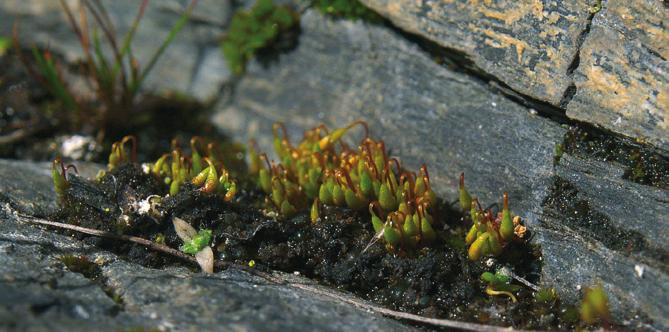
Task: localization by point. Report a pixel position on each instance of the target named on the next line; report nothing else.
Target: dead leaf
(205, 258)
(184, 230)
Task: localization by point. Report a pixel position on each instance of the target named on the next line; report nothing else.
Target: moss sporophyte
(489, 234)
(321, 169)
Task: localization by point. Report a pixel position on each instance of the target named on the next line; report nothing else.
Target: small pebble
(639, 270)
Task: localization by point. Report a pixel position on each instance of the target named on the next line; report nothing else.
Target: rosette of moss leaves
(255, 29)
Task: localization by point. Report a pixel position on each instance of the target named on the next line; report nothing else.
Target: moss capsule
(506, 226)
(465, 198)
(353, 201)
(338, 195)
(391, 235)
(231, 191)
(471, 235)
(366, 186)
(493, 244)
(409, 226)
(315, 213)
(479, 247)
(265, 180)
(386, 198)
(200, 178)
(60, 183)
(211, 183)
(324, 194)
(428, 234)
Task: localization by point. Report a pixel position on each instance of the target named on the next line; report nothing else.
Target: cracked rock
(622, 81)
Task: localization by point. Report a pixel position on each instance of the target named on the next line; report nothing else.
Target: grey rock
(28, 187)
(424, 112)
(622, 81)
(616, 236)
(528, 45)
(185, 67)
(38, 293)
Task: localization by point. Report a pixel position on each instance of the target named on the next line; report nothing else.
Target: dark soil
(438, 281)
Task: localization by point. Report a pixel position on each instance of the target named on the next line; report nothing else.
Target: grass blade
(136, 84)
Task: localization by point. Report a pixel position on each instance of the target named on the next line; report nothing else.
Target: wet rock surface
(598, 226)
(40, 293)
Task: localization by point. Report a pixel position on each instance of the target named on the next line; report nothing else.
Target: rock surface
(598, 227)
(617, 78)
(37, 292)
(528, 45)
(453, 122)
(622, 81)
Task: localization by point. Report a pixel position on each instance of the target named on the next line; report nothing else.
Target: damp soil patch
(437, 281)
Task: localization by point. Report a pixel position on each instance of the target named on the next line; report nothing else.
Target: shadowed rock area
(191, 64)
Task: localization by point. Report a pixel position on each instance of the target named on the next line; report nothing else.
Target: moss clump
(322, 169)
(255, 29)
(349, 9)
(5, 44)
(198, 242)
(80, 264)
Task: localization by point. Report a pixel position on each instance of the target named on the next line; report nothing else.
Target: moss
(252, 30)
(348, 9)
(5, 44)
(81, 264)
(201, 240)
(557, 153)
(596, 7)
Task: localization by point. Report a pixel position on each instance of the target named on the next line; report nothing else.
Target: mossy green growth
(80, 264)
(595, 305)
(348, 9)
(557, 153)
(5, 44)
(499, 284)
(252, 30)
(199, 241)
(546, 295)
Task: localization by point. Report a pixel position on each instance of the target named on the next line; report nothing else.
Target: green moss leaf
(201, 240)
